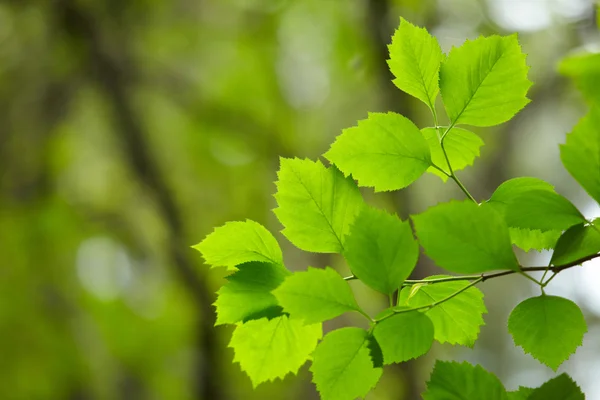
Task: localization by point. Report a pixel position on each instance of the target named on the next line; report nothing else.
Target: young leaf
(533, 239)
(385, 151)
(455, 321)
(466, 238)
(550, 328)
(522, 394)
(342, 366)
(316, 295)
(404, 336)
(581, 153)
(248, 291)
(462, 147)
(508, 190)
(451, 380)
(415, 58)
(381, 250)
(560, 388)
(239, 242)
(316, 205)
(577, 242)
(269, 349)
(484, 81)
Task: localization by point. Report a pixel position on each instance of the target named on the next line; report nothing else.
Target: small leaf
(385, 151)
(584, 69)
(533, 239)
(316, 205)
(239, 242)
(451, 380)
(404, 336)
(316, 295)
(464, 237)
(381, 250)
(577, 242)
(415, 58)
(342, 366)
(484, 81)
(550, 328)
(560, 388)
(269, 349)
(508, 190)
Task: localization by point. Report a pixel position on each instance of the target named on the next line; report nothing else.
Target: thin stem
(531, 278)
(350, 278)
(461, 186)
(391, 299)
(549, 279)
(364, 314)
(441, 170)
(452, 174)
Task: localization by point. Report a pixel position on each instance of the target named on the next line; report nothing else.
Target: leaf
(508, 190)
(454, 381)
(415, 58)
(239, 242)
(342, 367)
(584, 69)
(316, 205)
(560, 388)
(484, 81)
(462, 147)
(581, 153)
(577, 242)
(464, 237)
(316, 295)
(522, 394)
(269, 349)
(550, 328)
(385, 151)
(543, 210)
(533, 239)
(455, 321)
(381, 250)
(248, 291)
(404, 336)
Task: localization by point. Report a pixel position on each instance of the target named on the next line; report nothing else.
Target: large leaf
(581, 153)
(466, 238)
(316, 295)
(454, 381)
(269, 349)
(316, 205)
(484, 81)
(404, 336)
(248, 292)
(239, 242)
(456, 321)
(381, 250)
(550, 328)
(415, 58)
(385, 151)
(560, 388)
(577, 242)
(342, 366)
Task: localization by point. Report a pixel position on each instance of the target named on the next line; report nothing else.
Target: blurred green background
(129, 129)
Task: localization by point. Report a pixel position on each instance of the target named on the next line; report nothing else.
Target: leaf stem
(452, 174)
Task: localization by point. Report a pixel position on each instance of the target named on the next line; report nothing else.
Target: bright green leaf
(342, 366)
(464, 237)
(560, 388)
(533, 239)
(269, 349)
(381, 250)
(577, 242)
(584, 69)
(415, 58)
(484, 81)
(385, 151)
(316, 205)
(550, 328)
(522, 394)
(316, 295)
(508, 190)
(404, 336)
(239, 242)
(454, 381)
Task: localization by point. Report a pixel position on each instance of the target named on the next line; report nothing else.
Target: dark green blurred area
(129, 129)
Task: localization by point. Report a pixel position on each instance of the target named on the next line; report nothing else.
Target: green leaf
(455, 321)
(550, 328)
(462, 147)
(385, 151)
(316, 295)
(577, 242)
(404, 336)
(533, 239)
(454, 381)
(342, 366)
(581, 153)
(543, 210)
(269, 349)
(484, 81)
(239, 242)
(466, 238)
(415, 58)
(248, 291)
(560, 388)
(381, 250)
(316, 205)
(584, 69)
(522, 394)
(508, 190)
